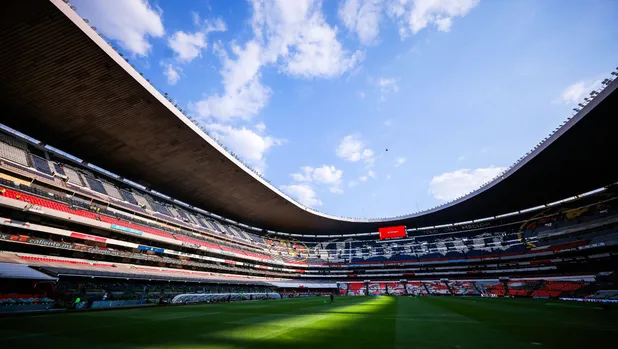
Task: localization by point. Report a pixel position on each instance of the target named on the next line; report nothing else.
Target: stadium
(124, 225)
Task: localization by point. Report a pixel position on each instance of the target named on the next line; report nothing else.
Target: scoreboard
(397, 232)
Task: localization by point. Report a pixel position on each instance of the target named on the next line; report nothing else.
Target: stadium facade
(116, 190)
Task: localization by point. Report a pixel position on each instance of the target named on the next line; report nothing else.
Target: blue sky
(311, 93)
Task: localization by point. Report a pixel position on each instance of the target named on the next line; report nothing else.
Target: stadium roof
(22, 271)
(61, 83)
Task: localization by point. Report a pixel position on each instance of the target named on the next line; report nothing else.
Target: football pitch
(351, 322)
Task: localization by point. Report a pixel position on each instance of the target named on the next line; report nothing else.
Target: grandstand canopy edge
(81, 98)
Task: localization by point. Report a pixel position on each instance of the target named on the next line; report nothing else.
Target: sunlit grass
(329, 317)
(349, 323)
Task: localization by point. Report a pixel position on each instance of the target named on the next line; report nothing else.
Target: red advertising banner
(393, 232)
(88, 237)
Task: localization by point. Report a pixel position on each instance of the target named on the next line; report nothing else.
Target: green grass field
(351, 322)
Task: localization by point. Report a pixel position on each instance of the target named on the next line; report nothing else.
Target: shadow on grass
(537, 321)
(299, 324)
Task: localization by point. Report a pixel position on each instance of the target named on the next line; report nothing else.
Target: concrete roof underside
(63, 85)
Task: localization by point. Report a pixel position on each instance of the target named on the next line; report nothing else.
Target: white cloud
(362, 17)
(362, 179)
(209, 26)
(304, 193)
(444, 23)
(451, 185)
(336, 189)
(296, 35)
(260, 127)
(576, 92)
(415, 15)
(400, 161)
(370, 174)
(327, 175)
(188, 46)
(290, 35)
(353, 149)
(130, 22)
(171, 73)
(388, 177)
(386, 86)
(245, 143)
(243, 103)
(305, 176)
(244, 96)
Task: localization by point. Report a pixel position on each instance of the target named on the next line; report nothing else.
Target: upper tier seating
(95, 185)
(142, 201)
(73, 176)
(490, 244)
(537, 237)
(64, 208)
(160, 208)
(112, 191)
(193, 219)
(84, 267)
(41, 164)
(13, 153)
(128, 224)
(197, 242)
(51, 260)
(12, 141)
(128, 197)
(59, 169)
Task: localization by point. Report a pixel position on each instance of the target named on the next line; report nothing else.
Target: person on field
(332, 298)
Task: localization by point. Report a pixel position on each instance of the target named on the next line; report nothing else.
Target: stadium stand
(13, 153)
(71, 221)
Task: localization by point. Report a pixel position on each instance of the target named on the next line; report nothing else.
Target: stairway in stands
(426, 288)
(478, 289)
(448, 286)
(536, 287)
